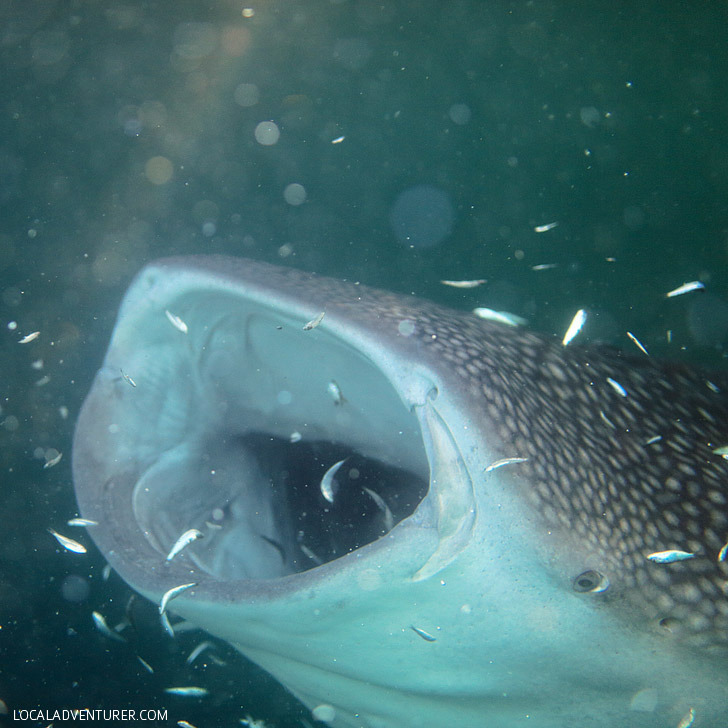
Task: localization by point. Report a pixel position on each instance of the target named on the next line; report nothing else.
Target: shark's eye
(590, 581)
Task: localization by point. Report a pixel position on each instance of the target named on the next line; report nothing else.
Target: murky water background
(395, 143)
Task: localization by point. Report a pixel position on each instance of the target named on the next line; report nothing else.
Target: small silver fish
(545, 228)
(314, 322)
(68, 543)
(185, 724)
(170, 594)
(504, 461)
(545, 266)
(464, 284)
(198, 651)
(686, 288)
(127, 378)
(167, 624)
(653, 440)
(575, 327)
(53, 461)
(101, 626)
(617, 387)
(335, 391)
(328, 488)
(637, 343)
(607, 420)
(29, 337)
(688, 719)
(310, 554)
(146, 665)
(185, 539)
(382, 505)
(670, 557)
(188, 692)
(500, 317)
(425, 635)
(81, 522)
(177, 322)
(723, 553)
(338, 140)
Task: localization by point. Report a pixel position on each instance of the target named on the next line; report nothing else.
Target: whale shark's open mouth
(260, 428)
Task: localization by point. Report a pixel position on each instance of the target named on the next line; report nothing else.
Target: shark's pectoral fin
(451, 487)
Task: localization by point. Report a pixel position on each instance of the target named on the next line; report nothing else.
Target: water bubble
(158, 170)
(406, 327)
(422, 216)
(294, 194)
(460, 114)
(246, 94)
(324, 713)
(267, 133)
(75, 588)
(708, 320)
(589, 115)
(195, 40)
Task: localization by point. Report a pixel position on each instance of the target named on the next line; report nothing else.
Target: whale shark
(409, 516)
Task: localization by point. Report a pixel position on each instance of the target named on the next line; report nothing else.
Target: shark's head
(480, 558)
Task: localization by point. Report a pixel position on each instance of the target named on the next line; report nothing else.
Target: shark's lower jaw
(426, 593)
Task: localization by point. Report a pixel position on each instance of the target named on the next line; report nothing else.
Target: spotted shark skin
(532, 578)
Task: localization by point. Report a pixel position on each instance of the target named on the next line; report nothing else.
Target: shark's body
(518, 594)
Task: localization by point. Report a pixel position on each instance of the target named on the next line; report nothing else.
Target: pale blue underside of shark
(509, 596)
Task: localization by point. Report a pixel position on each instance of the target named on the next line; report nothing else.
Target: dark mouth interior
(282, 523)
(324, 531)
